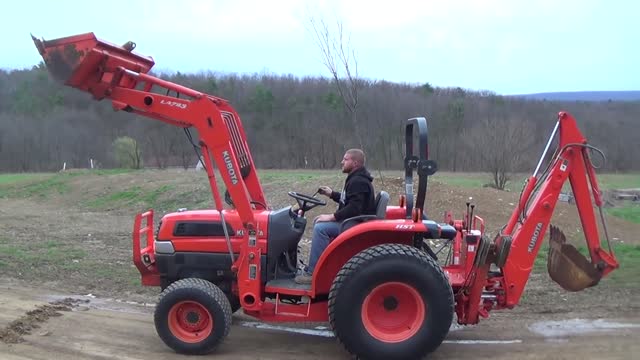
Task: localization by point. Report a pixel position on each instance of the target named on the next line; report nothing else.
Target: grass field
(59, 221)
(45, 185)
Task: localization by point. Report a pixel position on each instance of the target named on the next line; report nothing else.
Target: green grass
(189, 200)
(629, 258)
(21, 178)
(54, 185)
(110, 171)
(630, 212)
(134, 195)
(117, 198)
(475, 180)
(34, 185)
(51, 259)
(24, 185)
(619, 181)
(24, 255)
(269, 176)
(466, 180)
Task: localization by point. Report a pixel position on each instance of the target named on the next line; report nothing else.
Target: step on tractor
(379, 284)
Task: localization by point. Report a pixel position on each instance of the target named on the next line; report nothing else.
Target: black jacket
(357, 197)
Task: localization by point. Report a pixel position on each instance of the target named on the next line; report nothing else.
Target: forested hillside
(301, 122)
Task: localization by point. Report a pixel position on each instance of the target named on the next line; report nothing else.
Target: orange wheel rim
(190, 322)
(393, 312)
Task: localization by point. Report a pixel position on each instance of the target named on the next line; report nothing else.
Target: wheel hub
(190, 321)
(192, 317)
(390, 303)
(393, 312)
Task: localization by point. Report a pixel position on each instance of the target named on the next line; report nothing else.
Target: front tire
(391, 301)
(193, 316)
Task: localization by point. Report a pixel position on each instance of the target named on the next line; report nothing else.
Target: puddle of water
(559, 341)
(455, 326)
(577, 327)
(319, 331)
(482, 342)
(258, 325)
(94, 302)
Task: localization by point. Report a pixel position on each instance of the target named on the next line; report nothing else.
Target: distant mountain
(585, 96)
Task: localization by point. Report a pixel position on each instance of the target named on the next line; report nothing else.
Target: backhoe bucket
(83, 61)
(566, 266)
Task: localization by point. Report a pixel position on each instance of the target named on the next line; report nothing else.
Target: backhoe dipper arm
(571, 161)
(109, 71)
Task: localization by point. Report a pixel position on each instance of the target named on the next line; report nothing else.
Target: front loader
(379, 283)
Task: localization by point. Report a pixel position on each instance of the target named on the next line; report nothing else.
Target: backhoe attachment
(530, 220)
(568, 267)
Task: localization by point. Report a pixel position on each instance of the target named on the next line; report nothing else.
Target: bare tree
(502, 144)
(340, 59)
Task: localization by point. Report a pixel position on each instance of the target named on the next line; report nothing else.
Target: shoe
(303, 278)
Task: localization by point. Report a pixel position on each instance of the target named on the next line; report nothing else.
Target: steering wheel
(306, 202)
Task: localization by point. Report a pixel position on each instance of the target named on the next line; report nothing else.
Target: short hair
(357, 155)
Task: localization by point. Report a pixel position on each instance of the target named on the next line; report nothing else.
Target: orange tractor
(379, 283)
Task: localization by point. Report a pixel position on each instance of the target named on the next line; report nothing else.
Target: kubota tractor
(378, 283)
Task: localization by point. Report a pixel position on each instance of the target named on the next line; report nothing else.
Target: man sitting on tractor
(357, 198)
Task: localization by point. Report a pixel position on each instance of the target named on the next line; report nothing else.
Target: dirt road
(96, 328)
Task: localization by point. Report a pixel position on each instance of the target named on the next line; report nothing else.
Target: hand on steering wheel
(306, 202)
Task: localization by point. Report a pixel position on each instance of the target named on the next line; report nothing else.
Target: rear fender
(358, 238)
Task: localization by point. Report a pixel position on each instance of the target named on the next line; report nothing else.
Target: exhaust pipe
(566, 266)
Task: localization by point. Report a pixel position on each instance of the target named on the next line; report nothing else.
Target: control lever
(471, 217)
(468, 217)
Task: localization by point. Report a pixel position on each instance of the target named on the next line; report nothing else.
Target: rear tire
(193, 316)
(391, 301)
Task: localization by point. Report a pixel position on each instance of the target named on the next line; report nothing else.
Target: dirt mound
(13, 333)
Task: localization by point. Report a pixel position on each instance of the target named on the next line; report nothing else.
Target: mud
(104, 328)
(14, 332)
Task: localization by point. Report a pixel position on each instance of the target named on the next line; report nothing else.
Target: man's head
(352, 160)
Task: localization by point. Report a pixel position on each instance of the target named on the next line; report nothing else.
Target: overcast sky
(509, 47)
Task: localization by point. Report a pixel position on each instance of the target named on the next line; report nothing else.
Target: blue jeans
(323, 233)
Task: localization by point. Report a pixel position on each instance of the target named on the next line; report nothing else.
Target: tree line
(303, 122)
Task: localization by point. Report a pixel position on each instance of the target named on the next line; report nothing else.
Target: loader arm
(116, 73)
(530, 220)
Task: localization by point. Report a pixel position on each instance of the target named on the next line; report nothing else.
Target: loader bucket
(566, 266)
(83, 61)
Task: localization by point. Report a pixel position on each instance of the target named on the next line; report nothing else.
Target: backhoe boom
(532, 217)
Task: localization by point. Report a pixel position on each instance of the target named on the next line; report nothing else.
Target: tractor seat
(382, 199)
